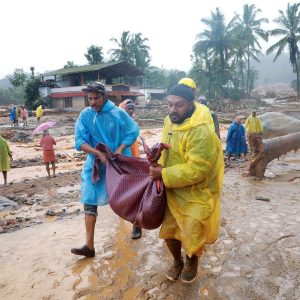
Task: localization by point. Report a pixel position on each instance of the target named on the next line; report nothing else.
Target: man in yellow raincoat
(39, 112)
(192, 172)
(5, 157)
(254, 131)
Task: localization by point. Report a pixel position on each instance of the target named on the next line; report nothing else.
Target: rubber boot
(190, 269)
(136, 232)
(175, 248)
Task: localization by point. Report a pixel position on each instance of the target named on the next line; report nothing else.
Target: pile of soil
(8, 134)
(22, 137)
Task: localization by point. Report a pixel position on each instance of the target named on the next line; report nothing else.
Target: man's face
(179, 108)
(96, 100)
(254, 114)
(130, 111)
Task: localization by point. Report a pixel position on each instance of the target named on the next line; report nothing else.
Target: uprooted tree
(285, 137)
(273, 148)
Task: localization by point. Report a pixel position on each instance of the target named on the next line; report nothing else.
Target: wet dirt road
(256, 257)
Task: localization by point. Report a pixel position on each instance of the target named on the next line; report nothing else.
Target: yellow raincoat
(253, 125)
(39, 112)
(193, 175)
(4, 155)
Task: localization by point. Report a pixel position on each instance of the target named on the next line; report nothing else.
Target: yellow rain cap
(189, 82)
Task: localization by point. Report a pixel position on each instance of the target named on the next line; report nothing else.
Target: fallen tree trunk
(271, 149)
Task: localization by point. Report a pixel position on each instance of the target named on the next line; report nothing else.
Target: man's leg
(53, 167)
(175, 249)
(90, 222)
(190, 270)
(48, 169)
(5, 177)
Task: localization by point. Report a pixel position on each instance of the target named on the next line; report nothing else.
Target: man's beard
(176, 119)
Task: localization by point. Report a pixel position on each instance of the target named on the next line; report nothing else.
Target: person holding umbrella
(47, 142)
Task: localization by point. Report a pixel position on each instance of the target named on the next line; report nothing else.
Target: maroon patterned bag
(133, 195)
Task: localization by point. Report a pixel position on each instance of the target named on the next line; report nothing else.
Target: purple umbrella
(43, 127)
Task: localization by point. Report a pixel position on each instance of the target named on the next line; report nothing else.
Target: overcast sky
(46, 34)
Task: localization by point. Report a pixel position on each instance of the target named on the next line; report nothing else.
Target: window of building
(68, 102)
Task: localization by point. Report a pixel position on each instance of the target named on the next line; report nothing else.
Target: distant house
(68, 84)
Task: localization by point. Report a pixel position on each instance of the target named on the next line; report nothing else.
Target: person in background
(24, 115)
(236, 139)
(13, 117)
(102, 122)
(192, 172)
(39, 113)
(129, 106)
(5, 158)
(47, 142)
(214, 116)
(254, 131)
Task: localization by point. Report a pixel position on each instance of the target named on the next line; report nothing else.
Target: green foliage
(222, 54)
(289, 31)
(12, 96)
(69, 64)
(94, 55)
(32, 97)
(133, 49)
(161, 78)
(18, 78)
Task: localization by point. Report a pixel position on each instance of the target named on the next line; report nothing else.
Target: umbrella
(43, 127)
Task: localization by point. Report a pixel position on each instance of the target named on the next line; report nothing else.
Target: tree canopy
(94, 55)
(289, 31)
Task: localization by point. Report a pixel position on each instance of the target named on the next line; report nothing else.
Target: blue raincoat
(236, 139)
(111, 126)
(12, 114)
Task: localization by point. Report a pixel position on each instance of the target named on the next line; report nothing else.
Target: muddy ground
(257, 255)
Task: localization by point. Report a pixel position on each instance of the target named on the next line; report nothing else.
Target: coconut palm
(241, 54)
(216, 43)
(290, 31)
(216, 37)
(252, 31)
(124, 48)
(140, 51)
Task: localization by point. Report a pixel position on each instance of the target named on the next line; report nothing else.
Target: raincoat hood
(200, 116)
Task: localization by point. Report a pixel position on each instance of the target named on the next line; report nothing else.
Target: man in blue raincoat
(101, 122)
(236, 139)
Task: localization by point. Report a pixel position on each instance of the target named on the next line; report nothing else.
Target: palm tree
(290, 30)
(140, 51)
(216, 41)
(124, 48)
(252, 32)
(240, 54)
(32, 72)
(217, 36)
